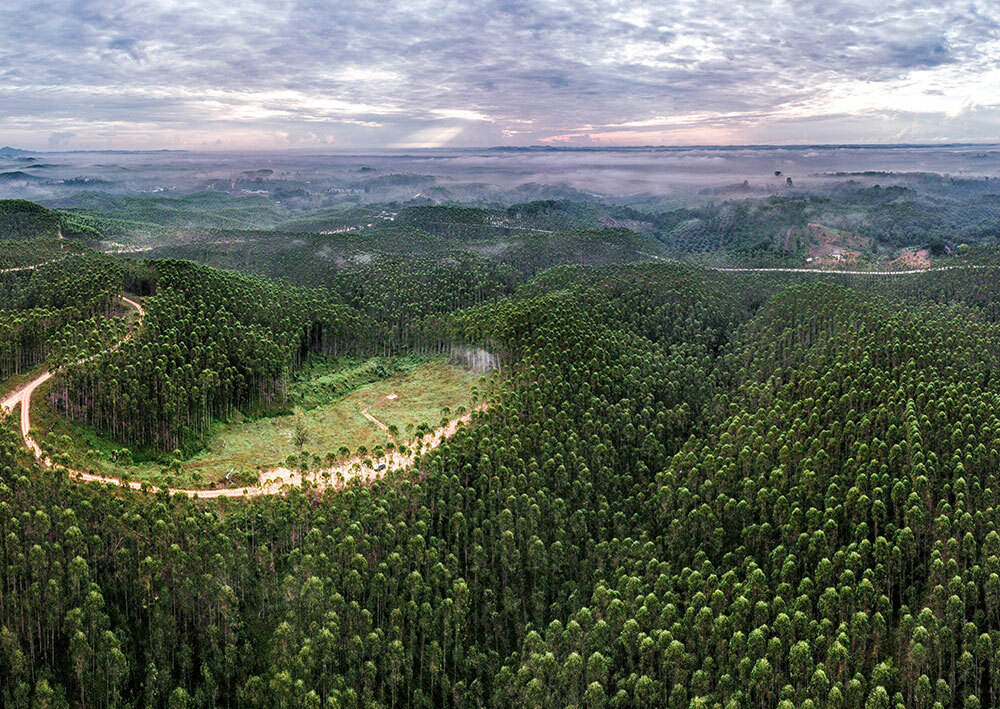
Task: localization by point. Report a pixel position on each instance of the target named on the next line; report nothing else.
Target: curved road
(273, 481)
(34, 266)
(22, 395)
(270, 482)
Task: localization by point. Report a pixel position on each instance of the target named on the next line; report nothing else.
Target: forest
(681, 487)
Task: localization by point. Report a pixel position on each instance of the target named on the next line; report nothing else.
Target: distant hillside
(21, 219)
(18, 176)
(7, 150)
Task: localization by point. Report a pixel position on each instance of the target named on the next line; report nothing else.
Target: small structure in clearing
(832, 247)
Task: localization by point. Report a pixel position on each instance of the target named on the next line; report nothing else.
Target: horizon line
(515, 148)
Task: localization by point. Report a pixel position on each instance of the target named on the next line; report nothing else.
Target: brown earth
(909, 260)
(833, 248)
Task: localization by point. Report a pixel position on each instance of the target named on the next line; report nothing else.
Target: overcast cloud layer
(426, 73)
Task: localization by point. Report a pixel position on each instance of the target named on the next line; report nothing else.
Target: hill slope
(21, 219)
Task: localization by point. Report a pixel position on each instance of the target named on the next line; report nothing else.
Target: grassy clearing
(326, 403)
(415, 392)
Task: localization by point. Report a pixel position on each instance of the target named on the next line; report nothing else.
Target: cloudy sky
(345, 74)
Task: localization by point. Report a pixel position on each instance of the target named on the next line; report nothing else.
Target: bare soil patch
(832, 248)
(909, 260)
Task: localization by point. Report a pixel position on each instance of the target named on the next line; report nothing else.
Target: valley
(733, 452)
(499, 355)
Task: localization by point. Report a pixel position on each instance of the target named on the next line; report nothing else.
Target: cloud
(60, 138)
(308, 138)
(125, 47)
(170, 73)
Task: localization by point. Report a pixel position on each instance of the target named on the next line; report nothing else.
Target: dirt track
(22, 395)
(364, 412)
(833, 271)
(274, 481)
(32, 267)
(270, 482)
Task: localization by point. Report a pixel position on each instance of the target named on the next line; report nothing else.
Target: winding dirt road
(33, 267)
(270, 482)
(276, 480)
(23, 394)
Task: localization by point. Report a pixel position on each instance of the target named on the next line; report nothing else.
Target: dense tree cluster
(694, 488)
(211, 342)
(21, 219)
(124, 216)
(35, 304)
(321, 259)
(399, 291)
(31, 252)
(413, 577)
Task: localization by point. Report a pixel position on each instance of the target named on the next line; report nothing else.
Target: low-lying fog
(498, 175)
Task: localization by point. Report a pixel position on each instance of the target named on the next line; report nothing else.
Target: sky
(347, 74)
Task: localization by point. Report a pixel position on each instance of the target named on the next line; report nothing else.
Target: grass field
(326, 414)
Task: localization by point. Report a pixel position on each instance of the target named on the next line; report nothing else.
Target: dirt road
(834, 271)
(23, 395)
(364, 412)
(270, 482)
(33, 267)
(135, 306)
(276, 480)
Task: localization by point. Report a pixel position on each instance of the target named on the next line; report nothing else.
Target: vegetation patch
(80, 446)
(416, 395)
(830, 248)
(324, 422)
